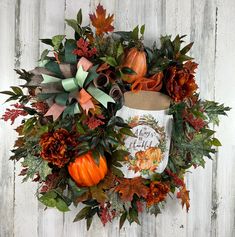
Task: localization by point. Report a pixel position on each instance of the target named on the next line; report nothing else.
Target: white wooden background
(210, 23)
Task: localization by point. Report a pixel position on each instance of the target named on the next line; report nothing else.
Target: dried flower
(157, 192)
(180, 83)
(57, 147)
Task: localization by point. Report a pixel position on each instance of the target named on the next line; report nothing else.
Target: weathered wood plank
(203, 34)
(51, 23)
(224, 92)
(7, 135)
(26, 56)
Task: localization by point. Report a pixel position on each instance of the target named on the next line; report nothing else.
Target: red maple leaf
(105, 215)
(196, 123)
(100, 22)
(94, 121)
(12, 114)
(84, 49)
(128, 187)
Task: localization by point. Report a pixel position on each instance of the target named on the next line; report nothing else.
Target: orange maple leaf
(128, 187)
(100, 22)
(183, 194)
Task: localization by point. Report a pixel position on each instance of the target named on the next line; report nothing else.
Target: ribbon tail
(49, 79)
(100, 96)
(55, 110)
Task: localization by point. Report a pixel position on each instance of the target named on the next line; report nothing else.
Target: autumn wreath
(72, 143)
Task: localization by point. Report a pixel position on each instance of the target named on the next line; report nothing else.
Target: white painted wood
(26, 55)
(224, 92)
(208, 23)
(7, 135)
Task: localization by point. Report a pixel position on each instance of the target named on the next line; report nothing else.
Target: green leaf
(96, 156)
(44, 170)
(119, 155)
(57, 40)
(61, 205)
(117, 171)
(36, 165)
(54, 67)
(135, 33)
(44, 54)
(127, 131)
(154, 210)
(88, 223)
(216, 142)
(48, 199)
(17, 90)
(91, 75)
(122, 219)
(127, 70)
(79, 17)
(80, 128)
(82, 214)
(47, 41)
(186, 48)
(70, 45)
(110, 60)
(29, 124)
(142, 29)
(77, 192)
(73, 23)
(7, 93)
(120, 50)
(134, 215)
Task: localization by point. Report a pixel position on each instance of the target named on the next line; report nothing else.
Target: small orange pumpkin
(86, 172)
(136, 60)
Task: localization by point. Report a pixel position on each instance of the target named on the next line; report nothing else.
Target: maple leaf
(128, 187)
(183, 194)
(105, 215)
(93, 122)
(196, 123)
(84, 49)
(12, 114)
(100, 22)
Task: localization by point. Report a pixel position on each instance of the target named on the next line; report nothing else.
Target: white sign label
(145, 137)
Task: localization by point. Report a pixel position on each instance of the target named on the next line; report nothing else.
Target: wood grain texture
(210, 25)
(7, 63)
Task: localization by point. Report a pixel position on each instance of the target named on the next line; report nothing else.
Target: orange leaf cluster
(128, 187)
(183, 194)
(100, 22)
(157, 192)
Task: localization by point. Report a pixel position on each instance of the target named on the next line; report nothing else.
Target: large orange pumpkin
(86, 172)
(136, 60)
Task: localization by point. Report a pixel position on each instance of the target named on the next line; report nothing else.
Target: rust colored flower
(180, 83)
(57, 147)
(157, 192)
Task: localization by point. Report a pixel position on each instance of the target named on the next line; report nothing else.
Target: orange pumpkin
(86, 172)
(136, 60)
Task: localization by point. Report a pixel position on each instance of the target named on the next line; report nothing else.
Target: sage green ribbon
(74, 83)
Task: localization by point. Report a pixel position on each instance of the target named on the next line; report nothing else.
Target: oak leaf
(128, 187)
(183, 194)
(100, 22)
